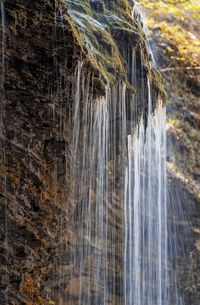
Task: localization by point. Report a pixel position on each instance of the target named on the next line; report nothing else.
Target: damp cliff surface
(32, 149)
(43, 43)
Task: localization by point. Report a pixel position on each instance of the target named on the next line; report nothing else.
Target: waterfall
(119, 200)
(145, 255)
(145, 215)
(118, 190)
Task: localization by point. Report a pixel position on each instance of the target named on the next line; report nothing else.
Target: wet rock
(39, 221)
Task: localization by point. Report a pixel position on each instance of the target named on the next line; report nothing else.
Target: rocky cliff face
(42, 43)
(38, 64)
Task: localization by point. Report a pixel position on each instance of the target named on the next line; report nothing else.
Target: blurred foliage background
(178, 23)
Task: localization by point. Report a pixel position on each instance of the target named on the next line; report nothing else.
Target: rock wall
(40, 58)
(41, 48)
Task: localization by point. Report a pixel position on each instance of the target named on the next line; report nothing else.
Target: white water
(118, 197)
(145, 217)
(93, 190)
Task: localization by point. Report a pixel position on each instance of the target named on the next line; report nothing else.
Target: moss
(77, 37)
(104, 36)
(157, 82)
(95, 39)
(99, 87)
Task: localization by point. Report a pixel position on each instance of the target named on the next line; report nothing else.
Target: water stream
(145, 217)
(119, 195)
(120, 206)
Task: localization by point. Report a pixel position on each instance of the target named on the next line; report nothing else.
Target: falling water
(93, 191)
(145, 250)
(139, 15)
(119, 181)
(146, 275)
(118, 194)
(119, 201)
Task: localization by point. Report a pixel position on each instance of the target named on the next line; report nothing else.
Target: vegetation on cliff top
(99, 32)
(92, 28)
